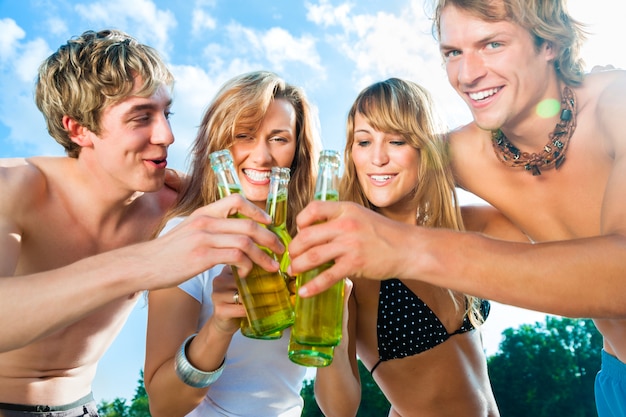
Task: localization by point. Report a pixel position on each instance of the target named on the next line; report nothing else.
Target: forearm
(36, 305)
(575, 278)
(337, 386)
(169, 395)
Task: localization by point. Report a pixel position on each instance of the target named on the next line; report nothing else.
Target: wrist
(189, 374)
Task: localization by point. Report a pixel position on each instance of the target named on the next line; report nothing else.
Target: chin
(152, 186)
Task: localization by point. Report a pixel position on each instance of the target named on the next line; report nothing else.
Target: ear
(77, 133)
(549, 51)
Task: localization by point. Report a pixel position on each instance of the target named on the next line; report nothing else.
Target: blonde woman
(419, 341)
(264, 122)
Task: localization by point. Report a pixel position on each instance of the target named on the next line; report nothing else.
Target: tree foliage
(373, 402)
(138, 408)
(547, 369)
(540, 370)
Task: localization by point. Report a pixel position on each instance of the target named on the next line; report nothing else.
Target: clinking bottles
(319, 318)
(276, 207)
(264, 294)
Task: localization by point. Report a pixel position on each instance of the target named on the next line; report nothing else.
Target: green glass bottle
(276, 207)
(319, 318)
(264, 294)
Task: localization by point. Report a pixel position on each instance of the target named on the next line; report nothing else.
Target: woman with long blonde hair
(420, 342)
(196, 360)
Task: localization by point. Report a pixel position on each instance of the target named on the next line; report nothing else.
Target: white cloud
(384, 45)
(140, 17)
(10, 34)
(281, 47)
(28, 62)
(17, 108)
(606, 33)
(274, 48)
(201, 21)
(325, 14)
(57, 26)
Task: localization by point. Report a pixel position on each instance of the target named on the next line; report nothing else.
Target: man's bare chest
(54, 239)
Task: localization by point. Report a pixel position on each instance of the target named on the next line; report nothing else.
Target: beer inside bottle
(264, 294)
(319, 318)
(277, 209)
(310, 355)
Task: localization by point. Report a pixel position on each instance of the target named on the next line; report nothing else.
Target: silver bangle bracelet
(191, 375)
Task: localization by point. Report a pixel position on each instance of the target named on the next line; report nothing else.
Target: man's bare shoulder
(604, 93)
(11, 162)
(606, 88)
(20, 177)
(24, 181)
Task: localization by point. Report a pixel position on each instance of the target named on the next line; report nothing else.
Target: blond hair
(91, 72)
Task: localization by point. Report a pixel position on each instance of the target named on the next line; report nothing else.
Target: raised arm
(172, 317)
(207, 238)
(553, 277)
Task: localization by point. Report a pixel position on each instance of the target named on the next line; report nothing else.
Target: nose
(471, 69)
(379, 155)
(261, 153)
(162, 133)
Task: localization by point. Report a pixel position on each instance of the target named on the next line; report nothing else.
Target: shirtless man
(527, 94)
(71, 264)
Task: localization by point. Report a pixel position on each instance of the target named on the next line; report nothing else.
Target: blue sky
(332, 48)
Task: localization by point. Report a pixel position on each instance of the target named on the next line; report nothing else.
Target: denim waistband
(43, 408)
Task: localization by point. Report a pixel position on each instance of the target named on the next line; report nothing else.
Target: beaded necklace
(553, 153)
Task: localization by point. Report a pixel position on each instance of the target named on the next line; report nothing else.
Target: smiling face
(272, 144)
(387, 168)
(132, 145)
(495, 67)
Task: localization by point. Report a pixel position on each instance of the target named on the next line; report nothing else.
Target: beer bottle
(319, 318)
(264, 294)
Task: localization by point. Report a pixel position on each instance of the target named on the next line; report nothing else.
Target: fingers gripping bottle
(276, 207)
(264, 294)
(319, 318)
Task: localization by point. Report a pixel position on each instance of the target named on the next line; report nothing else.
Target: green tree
(547, 369)
(373, 401)
(140, 406)
(118, 408)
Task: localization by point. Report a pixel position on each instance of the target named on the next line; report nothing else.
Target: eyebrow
(485, 39)
(277, 131)
(147, 106)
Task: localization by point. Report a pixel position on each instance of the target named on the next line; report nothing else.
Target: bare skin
(576, 216)
(173, 314)
(452, 375)
(337, 387)
(71, 267)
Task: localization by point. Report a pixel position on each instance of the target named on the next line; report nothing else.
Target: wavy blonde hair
(241, 104)
(405, 108)
(91, 72)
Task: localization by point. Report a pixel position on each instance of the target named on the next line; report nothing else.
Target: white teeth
(256, 175)
(381, 177)
(483, 94)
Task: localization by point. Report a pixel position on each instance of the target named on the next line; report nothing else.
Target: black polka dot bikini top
(407, 326)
